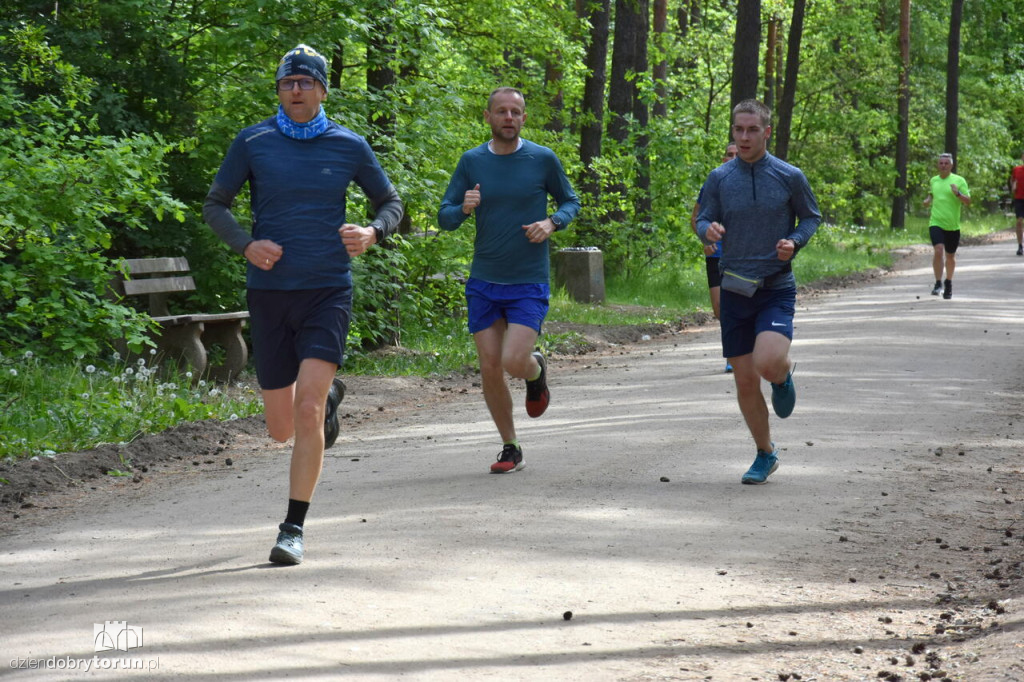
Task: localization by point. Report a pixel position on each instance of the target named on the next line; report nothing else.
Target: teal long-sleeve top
(514, 191)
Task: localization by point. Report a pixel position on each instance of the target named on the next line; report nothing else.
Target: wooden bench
(185, 338)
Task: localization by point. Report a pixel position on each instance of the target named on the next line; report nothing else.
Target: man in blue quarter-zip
(752, 205)
(505, 183)
(299, 165)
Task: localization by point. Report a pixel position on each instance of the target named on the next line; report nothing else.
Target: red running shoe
(537, 394)
(509, 459)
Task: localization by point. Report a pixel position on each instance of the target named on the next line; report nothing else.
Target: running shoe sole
(331, 425)
(538, 397)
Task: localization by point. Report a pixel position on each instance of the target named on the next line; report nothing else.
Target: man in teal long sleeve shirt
(505, 183)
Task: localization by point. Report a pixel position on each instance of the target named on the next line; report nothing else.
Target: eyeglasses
(303, 83)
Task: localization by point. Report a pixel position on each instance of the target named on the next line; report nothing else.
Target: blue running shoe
(764, 466)
(784, 397)
(728, 368)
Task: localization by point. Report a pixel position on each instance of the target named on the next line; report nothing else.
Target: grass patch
(48, 409)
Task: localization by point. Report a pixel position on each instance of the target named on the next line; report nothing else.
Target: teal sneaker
(764, 466)
(288, 549)
(784, 397)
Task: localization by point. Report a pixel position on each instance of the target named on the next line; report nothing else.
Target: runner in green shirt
(947, 193)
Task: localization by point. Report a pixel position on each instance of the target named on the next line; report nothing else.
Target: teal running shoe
(784, 397)
(764, 466)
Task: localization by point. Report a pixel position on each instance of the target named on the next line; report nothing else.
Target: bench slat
(159, 285)
(149, 266)
(204, 318)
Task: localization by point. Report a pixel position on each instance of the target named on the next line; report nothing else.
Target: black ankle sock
(296, 512)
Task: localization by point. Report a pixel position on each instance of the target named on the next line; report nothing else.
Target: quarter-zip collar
(753, 167)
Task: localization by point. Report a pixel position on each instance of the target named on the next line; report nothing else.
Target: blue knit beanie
(303, 61)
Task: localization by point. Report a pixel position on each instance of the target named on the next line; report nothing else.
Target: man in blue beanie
(299, 164)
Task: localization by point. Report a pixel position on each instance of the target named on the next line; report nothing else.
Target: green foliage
(61, 187)
(91, 91)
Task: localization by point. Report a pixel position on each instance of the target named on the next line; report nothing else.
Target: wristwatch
(378, 231)
(556, 221)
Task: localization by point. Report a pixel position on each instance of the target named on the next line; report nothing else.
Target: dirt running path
(887, 546)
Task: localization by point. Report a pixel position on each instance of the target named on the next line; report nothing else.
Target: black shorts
(950, 239)
(1018, 207)
(290, 326)
(714, 274)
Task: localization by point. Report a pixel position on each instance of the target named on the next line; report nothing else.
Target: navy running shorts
(290, 326)
(714, 274)
(744, 318)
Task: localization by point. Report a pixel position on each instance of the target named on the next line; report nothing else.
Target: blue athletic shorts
(290, 326)
(950, 239)
(768, 310)
(487, 302)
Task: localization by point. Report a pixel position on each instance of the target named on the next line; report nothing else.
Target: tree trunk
(380, 82)
(622, 91)
(661, 66)
(769, 63)
(785, 114)
(746, 51)
(688, 17)
(899, 199)
(592, 127)
(953, 79)
(553, 84)
(380, 85)
(644, 207)
(629, 63)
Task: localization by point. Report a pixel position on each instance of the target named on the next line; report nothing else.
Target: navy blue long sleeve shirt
(758, 204)
(298, 199)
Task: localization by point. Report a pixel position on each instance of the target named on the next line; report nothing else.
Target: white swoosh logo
(778, 324)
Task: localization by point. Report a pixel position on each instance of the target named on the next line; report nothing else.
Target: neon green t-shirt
(945, 206)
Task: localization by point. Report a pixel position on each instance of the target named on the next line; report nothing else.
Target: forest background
(117, 113)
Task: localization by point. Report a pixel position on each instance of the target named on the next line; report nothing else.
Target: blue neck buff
(302, 131)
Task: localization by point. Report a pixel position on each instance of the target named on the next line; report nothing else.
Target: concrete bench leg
(227, 335)
(183, 343)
